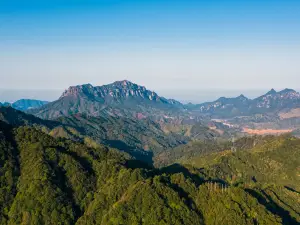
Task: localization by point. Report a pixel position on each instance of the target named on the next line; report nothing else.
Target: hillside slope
(50, 180)
(267, 168)
(139, 138)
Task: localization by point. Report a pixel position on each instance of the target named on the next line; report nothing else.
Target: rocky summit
(117, 91)
(121, 98)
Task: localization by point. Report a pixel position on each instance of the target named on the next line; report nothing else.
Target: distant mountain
(26, 104)
(271, 102)
(225, 106)
(124, 99)
(275, 101)
(121, 98)
(118, 91)
(4, 104)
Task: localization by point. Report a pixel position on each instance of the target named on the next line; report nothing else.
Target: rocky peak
(242, 97)
(117, 91)
(127, 89)
(289, 94)
(271, 92)
(124, 83)
(77, 90)
(284, 94)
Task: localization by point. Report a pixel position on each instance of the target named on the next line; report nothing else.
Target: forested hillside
(47, 180)
(139, 138)
(56, 181)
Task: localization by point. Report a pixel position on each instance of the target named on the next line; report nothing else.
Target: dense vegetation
(47, 180)
(267, 168)
(56, 181)
(200, 148)
(139, 138)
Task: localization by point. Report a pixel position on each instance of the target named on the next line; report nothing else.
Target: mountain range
(124, 98)
(121, 154)
(271, 112)
(133, 119)
(271, 102)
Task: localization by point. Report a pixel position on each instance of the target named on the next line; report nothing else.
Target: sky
(188, 50)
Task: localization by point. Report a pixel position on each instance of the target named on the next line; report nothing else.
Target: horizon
(186, 95)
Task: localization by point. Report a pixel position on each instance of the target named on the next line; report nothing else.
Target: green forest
(49, 179)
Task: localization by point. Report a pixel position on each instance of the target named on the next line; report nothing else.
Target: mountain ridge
(121, 98)
(129, 99)
(116, 90)
(272, 101)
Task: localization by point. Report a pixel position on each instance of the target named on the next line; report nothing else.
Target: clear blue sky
(169, 46)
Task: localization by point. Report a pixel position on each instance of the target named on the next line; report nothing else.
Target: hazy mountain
(26, 104)
(121, 98)
(271, 102)
(124, 98)
(4, 104)
(276, 101)
(224, 106)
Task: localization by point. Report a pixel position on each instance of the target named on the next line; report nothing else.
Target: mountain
(50, 180)
(271, 102)
(276, 101)
(271, 112)
(224, 106)
(118, 91)
(26, 104)
(121, 98)
(131, 109)
(5, 104)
